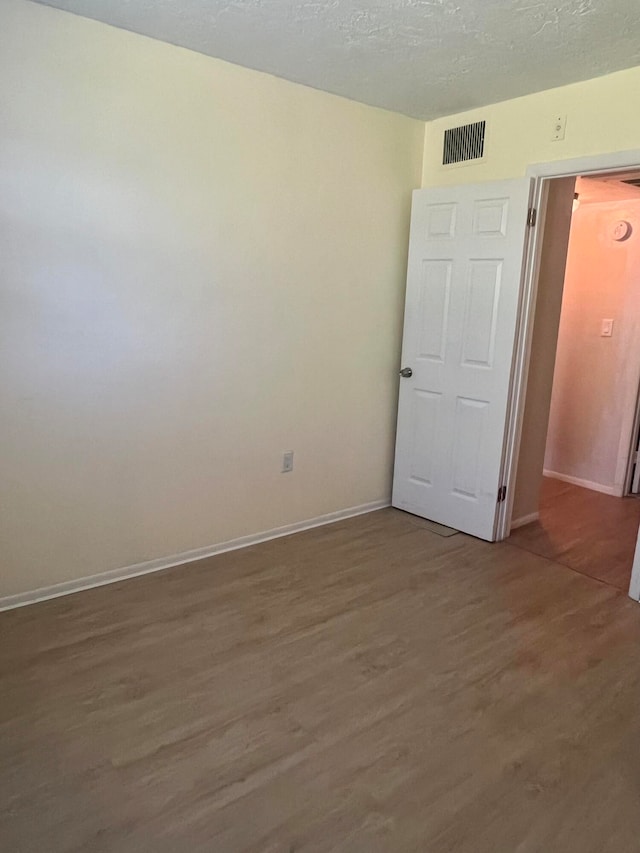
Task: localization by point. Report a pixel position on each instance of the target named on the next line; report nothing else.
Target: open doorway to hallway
(576, 462)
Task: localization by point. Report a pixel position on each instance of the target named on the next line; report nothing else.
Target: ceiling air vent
(463, 143)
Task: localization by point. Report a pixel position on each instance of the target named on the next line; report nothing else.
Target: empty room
(281, 331)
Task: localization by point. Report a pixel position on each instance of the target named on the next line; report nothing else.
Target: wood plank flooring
(589, 532)
(365, 687)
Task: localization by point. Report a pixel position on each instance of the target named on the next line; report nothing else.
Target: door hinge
(532, 217)
(502, 494)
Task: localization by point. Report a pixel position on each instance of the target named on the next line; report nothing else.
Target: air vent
(463, 143)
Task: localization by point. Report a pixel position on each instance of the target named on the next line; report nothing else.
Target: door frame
(542, 174)
(631, 450)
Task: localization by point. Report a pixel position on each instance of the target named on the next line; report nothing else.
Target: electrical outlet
(559, 126)
(606, 330)
(287, 462)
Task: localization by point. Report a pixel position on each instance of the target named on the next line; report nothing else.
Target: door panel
(464, 279)
(481, 314)
(426, 412)
(434, 309)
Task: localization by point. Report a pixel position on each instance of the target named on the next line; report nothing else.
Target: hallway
(589, 532)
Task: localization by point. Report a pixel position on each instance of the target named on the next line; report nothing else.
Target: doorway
(576, 462)
(476, 259)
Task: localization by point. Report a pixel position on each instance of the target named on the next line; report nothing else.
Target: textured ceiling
(425, 58)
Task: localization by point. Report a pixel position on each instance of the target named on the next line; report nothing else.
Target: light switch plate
(607, 329)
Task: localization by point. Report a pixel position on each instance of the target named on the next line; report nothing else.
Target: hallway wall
(596, 378)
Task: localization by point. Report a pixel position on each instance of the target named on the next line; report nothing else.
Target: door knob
(406, 372)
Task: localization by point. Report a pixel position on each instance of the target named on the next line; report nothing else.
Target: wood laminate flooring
(589, 532)
(367, 687)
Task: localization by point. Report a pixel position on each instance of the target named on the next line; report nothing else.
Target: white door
(466, 258)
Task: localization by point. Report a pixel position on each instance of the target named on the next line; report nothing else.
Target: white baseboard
(114, 575)
(586, 484)
(524, 519)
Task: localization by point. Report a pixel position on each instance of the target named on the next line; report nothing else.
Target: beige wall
(202, 267)
(600, 118)
(596, 378)
(545, 333)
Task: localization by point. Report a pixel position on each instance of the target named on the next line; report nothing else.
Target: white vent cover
(463, 143)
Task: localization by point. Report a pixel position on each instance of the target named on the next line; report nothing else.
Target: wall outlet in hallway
(287, 462)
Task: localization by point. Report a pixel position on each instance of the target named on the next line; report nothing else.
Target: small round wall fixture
(622, 230)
